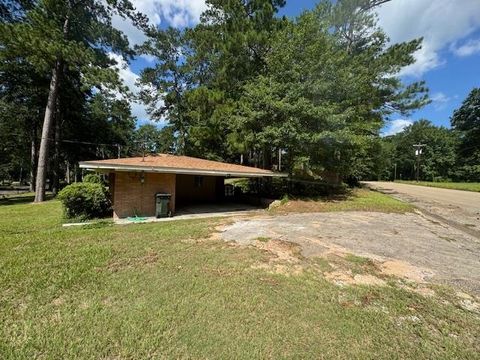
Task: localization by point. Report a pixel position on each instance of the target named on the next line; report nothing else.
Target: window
(198, 181)
(229, 190)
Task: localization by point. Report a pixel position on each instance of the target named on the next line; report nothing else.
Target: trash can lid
(163, 195)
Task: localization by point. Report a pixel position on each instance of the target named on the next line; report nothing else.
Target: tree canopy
(307, 95)
(466, 122)
(246, 84)
(68, 42)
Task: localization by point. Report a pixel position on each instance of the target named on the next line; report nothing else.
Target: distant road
(467, 200)
(461, 207)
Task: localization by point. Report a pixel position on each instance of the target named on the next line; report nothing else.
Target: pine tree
(466, 121)
(58, 36)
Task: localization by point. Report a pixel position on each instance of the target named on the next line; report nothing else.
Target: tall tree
(21, 96)
(315, 90)
(324, 99)
(61, 35)
(466, 121)
(149, 139)
(438, 158)
(165, 84)
(200, 72)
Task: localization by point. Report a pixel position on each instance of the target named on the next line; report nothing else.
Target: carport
(190, 182)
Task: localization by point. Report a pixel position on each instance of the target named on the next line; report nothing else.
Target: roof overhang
(169, 170)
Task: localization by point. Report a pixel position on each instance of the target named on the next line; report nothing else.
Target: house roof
(166, 163)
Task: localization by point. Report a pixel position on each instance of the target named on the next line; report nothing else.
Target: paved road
(467, 200)
(461, 207)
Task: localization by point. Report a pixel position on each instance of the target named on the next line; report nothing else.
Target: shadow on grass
(20, 199)
(346, 195)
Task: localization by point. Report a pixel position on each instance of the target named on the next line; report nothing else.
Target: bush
(93, 178)
(276, 188)
(85, 200)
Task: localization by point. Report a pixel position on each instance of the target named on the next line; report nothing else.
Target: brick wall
(132, 197)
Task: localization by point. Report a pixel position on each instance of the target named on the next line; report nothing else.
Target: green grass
(167, 290)
(361, 265)
(368, 200)
(356, 200)
(263, 239)
(446, 185)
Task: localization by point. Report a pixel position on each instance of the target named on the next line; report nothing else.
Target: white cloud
(148, 58)
(176, 13)
(440, 97)
(130, 79)
(441, 23)
(440, 100)
(396, 126)
(469, 48)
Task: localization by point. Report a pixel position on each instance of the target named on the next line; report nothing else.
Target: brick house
(135, 181)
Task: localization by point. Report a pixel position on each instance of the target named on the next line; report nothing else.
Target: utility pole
(418, 154)
(144, 145)
(395, 172)
(279, 159)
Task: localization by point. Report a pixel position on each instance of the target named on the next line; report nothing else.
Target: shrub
(276, 188)
(85, 200)
(93, 178)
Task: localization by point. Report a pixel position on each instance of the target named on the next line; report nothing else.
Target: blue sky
(449, 60)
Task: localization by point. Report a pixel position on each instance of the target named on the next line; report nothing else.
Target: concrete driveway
(410, 245)
(458, 208)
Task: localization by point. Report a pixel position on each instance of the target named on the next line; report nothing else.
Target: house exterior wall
(190, 189)
(131, 197)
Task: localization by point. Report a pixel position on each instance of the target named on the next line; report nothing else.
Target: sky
(449, 61)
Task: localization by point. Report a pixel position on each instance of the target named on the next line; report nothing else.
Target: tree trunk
(46, 130)
(48, 122)
(56, 156)
(33, 157)
(67, 172)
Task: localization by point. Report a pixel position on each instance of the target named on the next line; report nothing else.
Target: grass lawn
(168, 290)
(446, 185)
(356, 200)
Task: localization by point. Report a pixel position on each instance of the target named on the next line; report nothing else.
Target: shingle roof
(176, 164)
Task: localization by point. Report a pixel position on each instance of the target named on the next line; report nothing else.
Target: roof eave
(168, 170)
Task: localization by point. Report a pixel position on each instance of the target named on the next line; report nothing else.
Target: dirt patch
(420, 289)
(58, 301)
(348, 278)
(284, 257)
(218, 230)
(405, 270)
(282, 269)
(470, 305)
(424, 291)
(284, 251)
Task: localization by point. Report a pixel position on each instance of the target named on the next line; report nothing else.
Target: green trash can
(162, 205)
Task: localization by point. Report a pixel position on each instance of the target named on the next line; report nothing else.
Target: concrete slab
(200, 212)
(446, 254)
